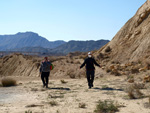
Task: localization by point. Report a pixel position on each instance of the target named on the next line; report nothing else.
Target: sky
(67, 19)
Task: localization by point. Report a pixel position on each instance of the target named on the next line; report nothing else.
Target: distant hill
(27, 39)
(32, 42)
(71, 46)
(82, 46)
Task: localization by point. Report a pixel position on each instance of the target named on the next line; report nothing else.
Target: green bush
(106, 107)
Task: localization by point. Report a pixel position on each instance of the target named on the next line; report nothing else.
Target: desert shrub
(82, 105)
(53, 103)
(63, 81)
(106, 107)
(130, 79)
(135, 70)
(134, 92)
(6, 82)
(28, 111)
(56, 96)
(108, 49)
(115, 72)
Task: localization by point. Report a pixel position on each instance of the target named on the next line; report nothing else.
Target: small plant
(130, 79)
(28, 111)
(63, 81)
(106, 107)
(135, 70)
(6, 82)
(115, 72)
(53, 103)
(82, 105)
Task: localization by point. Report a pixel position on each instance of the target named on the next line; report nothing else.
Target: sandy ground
(30, 96)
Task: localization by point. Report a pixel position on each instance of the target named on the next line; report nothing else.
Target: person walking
(45, 71)
(90, 69)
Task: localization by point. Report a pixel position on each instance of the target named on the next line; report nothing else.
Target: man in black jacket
(90, 69)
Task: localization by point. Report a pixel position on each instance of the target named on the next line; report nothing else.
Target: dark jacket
(90, 64)
(45, 66)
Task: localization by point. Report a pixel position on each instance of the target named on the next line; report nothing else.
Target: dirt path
(30, 96)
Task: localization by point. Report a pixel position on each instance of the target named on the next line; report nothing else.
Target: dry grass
(53, 103)
(6, 82)
(134, 91)
(82, 105)
(135, 70)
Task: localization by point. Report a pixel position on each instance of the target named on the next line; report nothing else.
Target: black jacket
(90, 64)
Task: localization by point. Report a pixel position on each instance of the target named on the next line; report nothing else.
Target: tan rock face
(132, 42)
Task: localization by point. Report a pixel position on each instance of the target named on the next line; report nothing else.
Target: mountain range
(27, 39)
(32, 42)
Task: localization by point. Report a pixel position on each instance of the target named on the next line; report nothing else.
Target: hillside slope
(132, 42)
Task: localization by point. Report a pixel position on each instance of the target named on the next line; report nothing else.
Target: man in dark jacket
(45, 71)
(90, 69)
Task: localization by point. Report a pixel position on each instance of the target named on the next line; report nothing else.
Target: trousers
(90, 77)
(45, 78)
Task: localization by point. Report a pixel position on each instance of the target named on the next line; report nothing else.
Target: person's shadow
(108, 89)
(58, 88)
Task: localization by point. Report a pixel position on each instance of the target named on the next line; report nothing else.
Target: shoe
(89, 87)
(92, 85)
(46, 86)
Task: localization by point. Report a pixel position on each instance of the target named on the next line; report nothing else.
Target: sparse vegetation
(6, 82)
(82, 105)
(134, 92)
(56, 96)
(53, 103)
(135, 70)
(63, 81)
(28, 111)
(106, 107)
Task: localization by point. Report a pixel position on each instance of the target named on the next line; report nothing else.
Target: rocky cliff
(132, 42)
